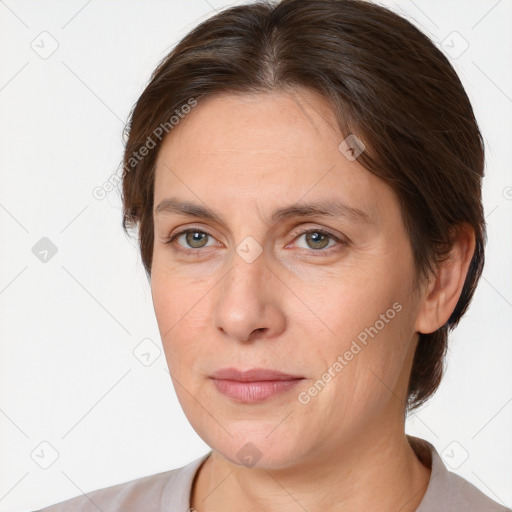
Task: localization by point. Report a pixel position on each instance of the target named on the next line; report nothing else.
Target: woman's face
(273, 281)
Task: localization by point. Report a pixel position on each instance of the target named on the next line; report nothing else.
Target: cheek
(348, 302)
(178, 307)
(370, 318)
(177, 291)
(364, 385)
(166, 300)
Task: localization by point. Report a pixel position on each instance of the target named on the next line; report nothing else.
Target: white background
(69, 326)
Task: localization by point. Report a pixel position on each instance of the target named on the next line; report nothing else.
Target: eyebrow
(325, 208)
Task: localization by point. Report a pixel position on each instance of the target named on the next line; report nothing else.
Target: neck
(373, 471)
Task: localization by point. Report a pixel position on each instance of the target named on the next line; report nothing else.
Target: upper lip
(252, 375)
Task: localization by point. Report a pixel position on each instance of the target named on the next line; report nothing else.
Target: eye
(318, 239)
(192, 239)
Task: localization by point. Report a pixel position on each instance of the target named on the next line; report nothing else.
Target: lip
(252, 375)
(254, 385)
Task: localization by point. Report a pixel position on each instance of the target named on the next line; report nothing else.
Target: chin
(255, 451)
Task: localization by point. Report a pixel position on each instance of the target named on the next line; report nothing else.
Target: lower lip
(256, 391)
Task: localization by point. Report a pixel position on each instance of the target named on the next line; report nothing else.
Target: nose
(248, 306)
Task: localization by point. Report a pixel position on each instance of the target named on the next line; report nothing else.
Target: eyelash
(170, 239)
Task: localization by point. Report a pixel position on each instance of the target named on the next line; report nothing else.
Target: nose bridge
(248, 269)
(243, 286)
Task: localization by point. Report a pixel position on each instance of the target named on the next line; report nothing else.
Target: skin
(295, 308)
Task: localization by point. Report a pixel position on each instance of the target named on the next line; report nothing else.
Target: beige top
(170, 491)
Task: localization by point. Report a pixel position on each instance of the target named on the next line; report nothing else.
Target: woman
(306, 182)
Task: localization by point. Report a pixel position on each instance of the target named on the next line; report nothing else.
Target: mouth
(253, 385)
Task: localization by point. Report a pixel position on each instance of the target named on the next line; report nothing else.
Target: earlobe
(443, 290)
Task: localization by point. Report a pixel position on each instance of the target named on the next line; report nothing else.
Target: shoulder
(169, 490)
(463, 495)
(125, 496)
(447, 491)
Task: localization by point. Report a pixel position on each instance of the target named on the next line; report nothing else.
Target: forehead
(265, 148)
(245, 125)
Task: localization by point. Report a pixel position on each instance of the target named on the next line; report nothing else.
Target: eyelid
(184, 229)
(316, 229)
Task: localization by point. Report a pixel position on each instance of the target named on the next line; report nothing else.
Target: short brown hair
(387, 83)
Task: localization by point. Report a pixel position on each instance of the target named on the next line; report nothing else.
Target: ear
(442, 292)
